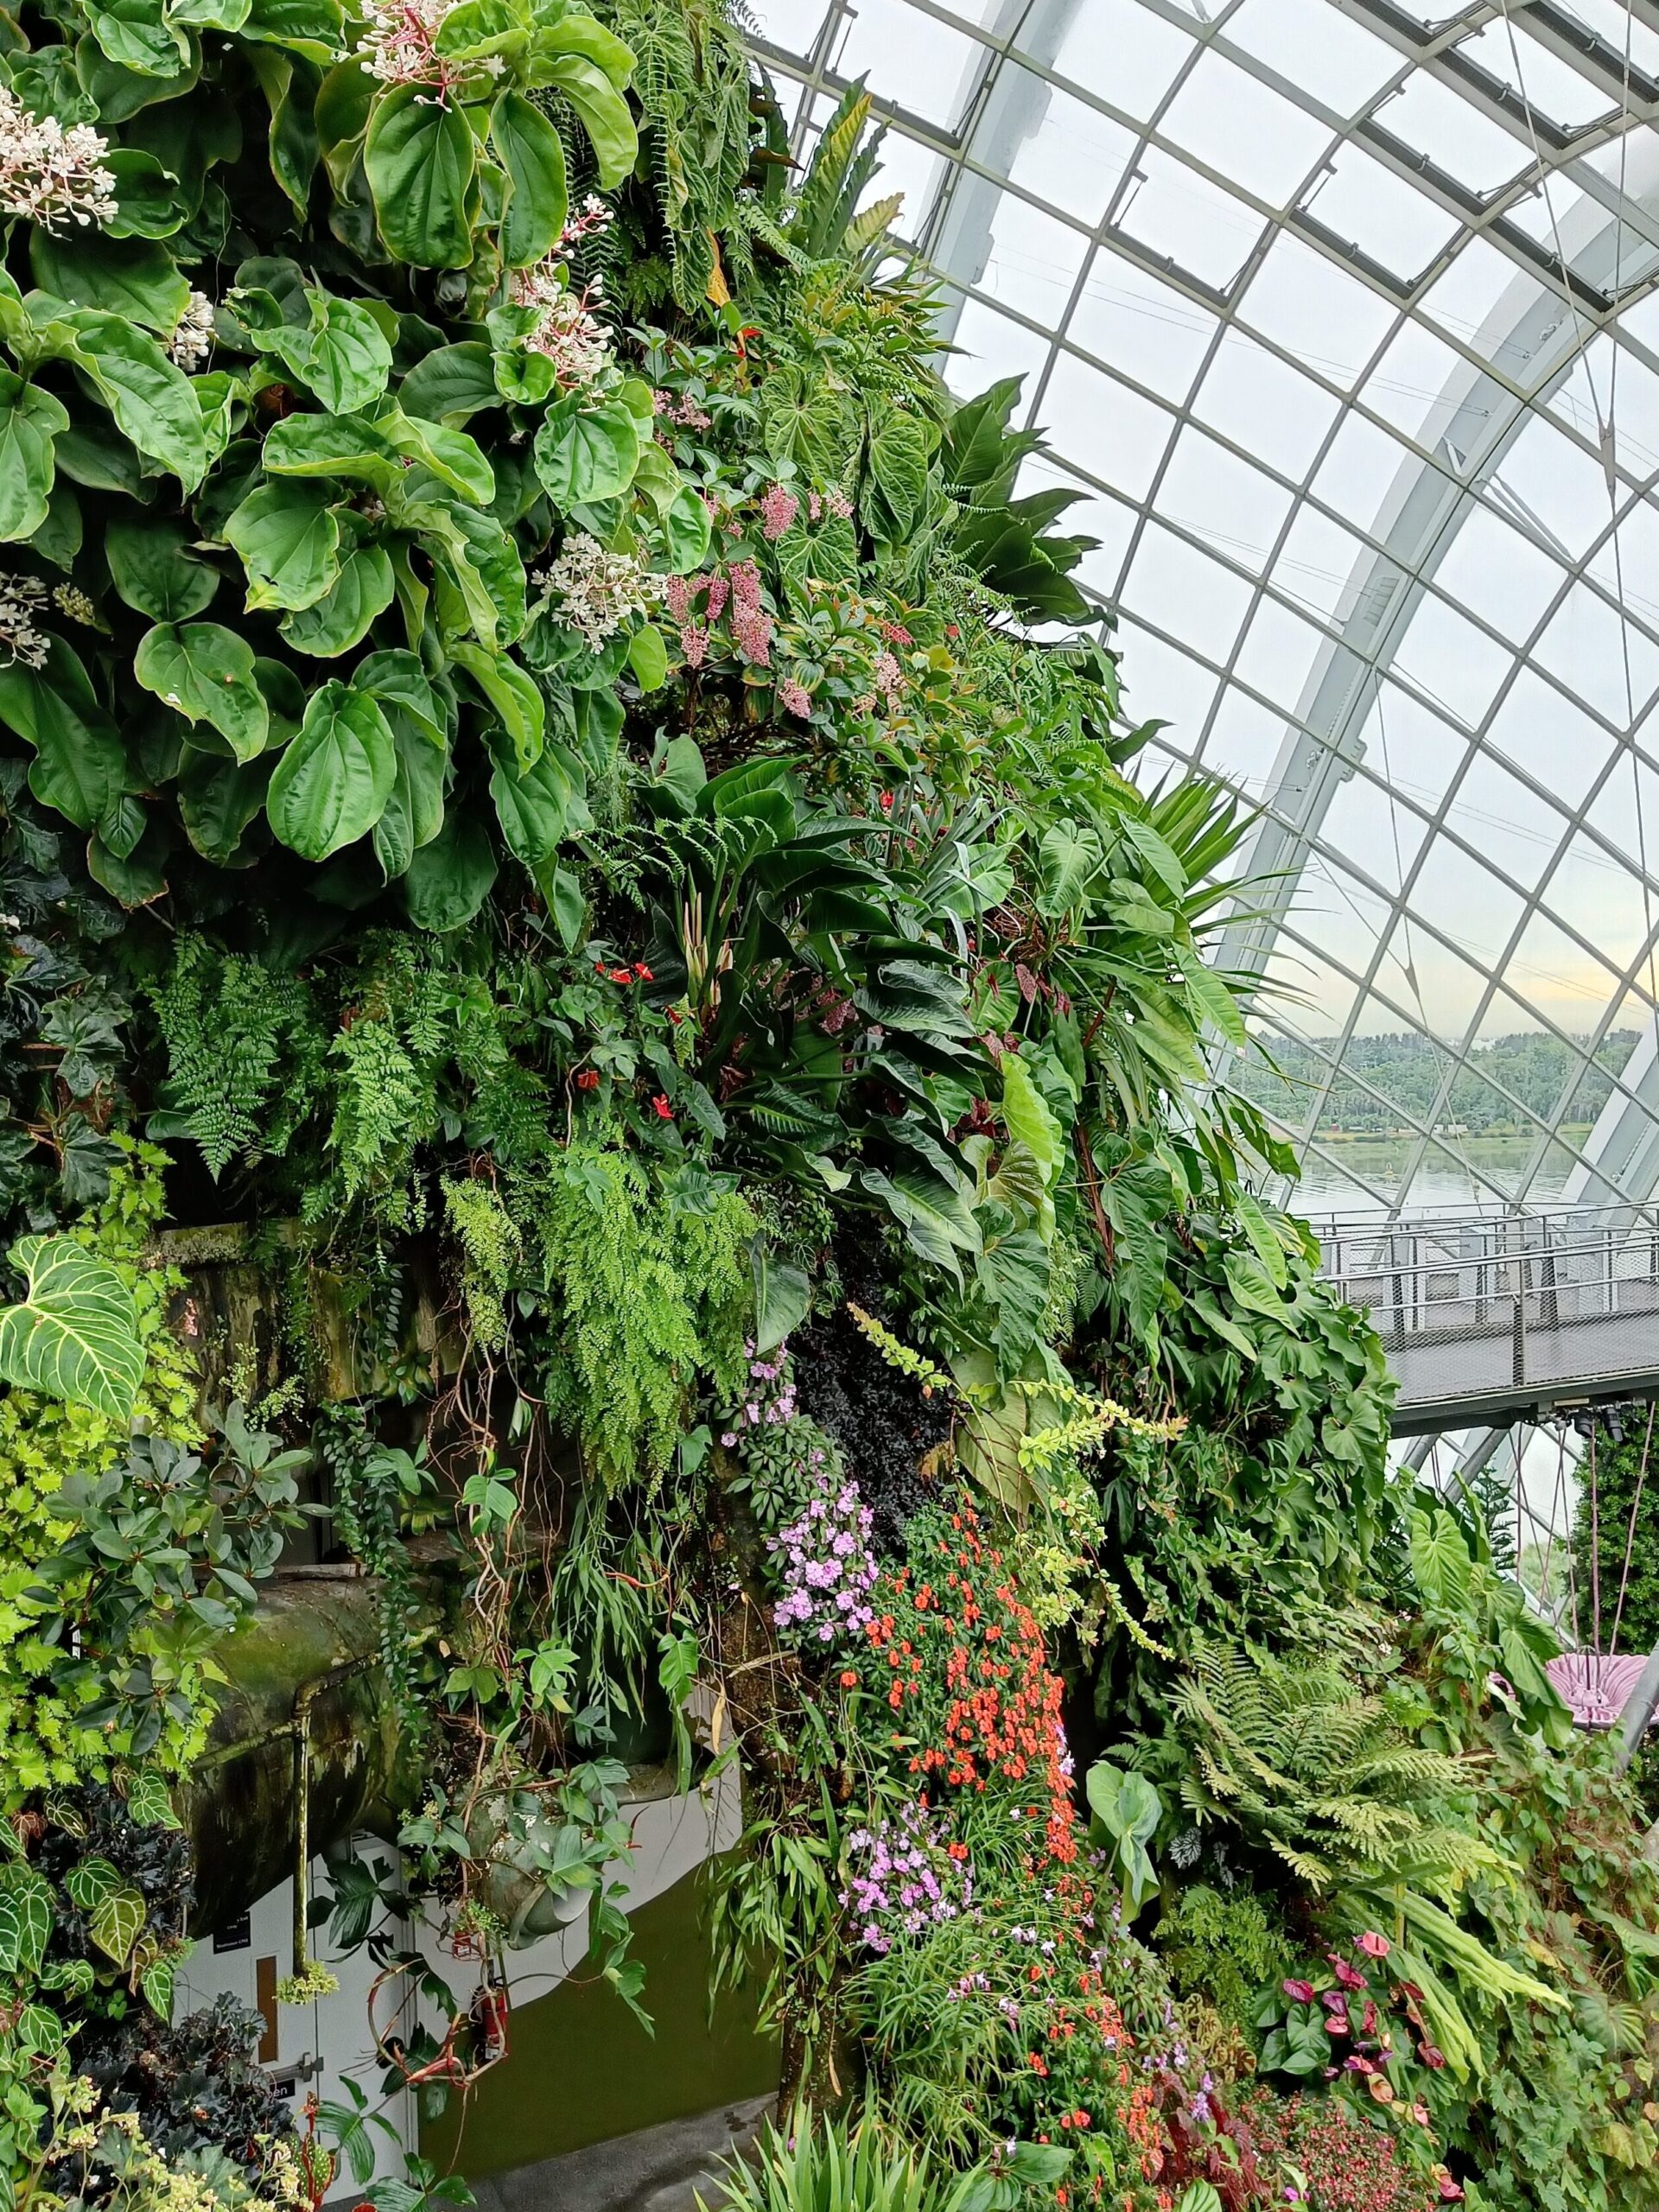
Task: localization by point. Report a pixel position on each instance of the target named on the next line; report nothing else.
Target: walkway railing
(1485, 1316)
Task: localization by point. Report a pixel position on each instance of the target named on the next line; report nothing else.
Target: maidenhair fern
(491, 1248)
(385, 1060)
(651, 1291)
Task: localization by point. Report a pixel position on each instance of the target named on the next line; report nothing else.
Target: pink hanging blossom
(837, 504)
(719, 591)
(694, 643)
(888, 676)
(676, 596)
(778, 510)
(797, 699)
(752, 632)
(746, 587)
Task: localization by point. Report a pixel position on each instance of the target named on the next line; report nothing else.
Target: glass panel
(1549, 86)
(1466, 903)
(1280, 654)
(1323, 566)
(1266, 406)
(1454, 664)
(1546, 481)
(1412, 748)
(1375, 829)
(1033, 261)
(1600, 899)
(1451, 131)
(1074, 156)
(1336, 62)
(1186, 593)
(914, 61)
(1479, 300)
(1501, 819)
(1327, 319)
(1122, 51)
(1418, 385)
(792, 24)
(1550, 971)
(1600, 658)
(1541, 731)
(1118, 436)
(1236, 126)
(1176, 212)
(1161, 680)
(1497, 573)
(1235, 508)
(1143, 326)
(1367, 206)
(1243, 743)
(989, 347)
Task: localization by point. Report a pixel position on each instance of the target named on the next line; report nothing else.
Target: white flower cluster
(50, 175)
(193, 335)
(20, 598)
(594, 592)
(400, 45)
(566, 331)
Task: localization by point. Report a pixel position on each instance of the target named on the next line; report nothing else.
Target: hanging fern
(245, 1053)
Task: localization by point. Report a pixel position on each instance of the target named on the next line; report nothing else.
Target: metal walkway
(1493, 1318)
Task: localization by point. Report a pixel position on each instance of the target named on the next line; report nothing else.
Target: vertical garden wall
(562, 816)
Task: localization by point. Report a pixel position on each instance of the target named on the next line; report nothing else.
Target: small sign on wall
(238, 1937)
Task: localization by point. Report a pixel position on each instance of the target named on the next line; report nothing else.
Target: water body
(1466, 1174)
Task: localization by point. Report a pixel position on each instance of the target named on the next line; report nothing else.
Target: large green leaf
(152, 567)
(74, 1334)
(330, 785)
(421, 160)
(539, 807)
(449, 880)
(205, 672)
(289, 538)
(584, 452)
(414, 810)
(341, 618)
(598, 101)
(152, 401)
(80, 764)
(339, 351)
(514, 695)
(529, 150)
(30, 421)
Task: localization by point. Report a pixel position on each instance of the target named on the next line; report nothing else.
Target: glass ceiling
(1344, 317)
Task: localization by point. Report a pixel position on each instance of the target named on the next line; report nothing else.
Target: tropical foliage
(561, 805)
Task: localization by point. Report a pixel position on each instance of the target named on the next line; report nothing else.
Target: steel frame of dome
(1570, 290)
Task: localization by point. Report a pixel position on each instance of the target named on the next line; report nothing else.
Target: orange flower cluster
(1000, 1717)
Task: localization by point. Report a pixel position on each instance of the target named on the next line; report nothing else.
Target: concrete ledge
(658, 2170)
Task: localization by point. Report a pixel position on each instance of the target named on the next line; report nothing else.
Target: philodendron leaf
(74, 1334)
(206, 673)
(330, 785)
(30, 420)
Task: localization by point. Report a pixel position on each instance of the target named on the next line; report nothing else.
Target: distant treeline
(1405, 1072)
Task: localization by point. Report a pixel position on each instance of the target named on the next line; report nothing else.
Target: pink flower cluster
(903, 1879)
(778, 510)
(834, 502)
(766, 1406)
(829, 1569)
(795, 696)
(684, 412)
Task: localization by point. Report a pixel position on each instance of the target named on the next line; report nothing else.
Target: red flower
(1373, 1945)
(660, 1107)
(588, 1079)
(848, 1679)
(1345, 1973)
(1299, 1993)
(1432, 2055)
(621, 974)
(887, 801)
(642, 974)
